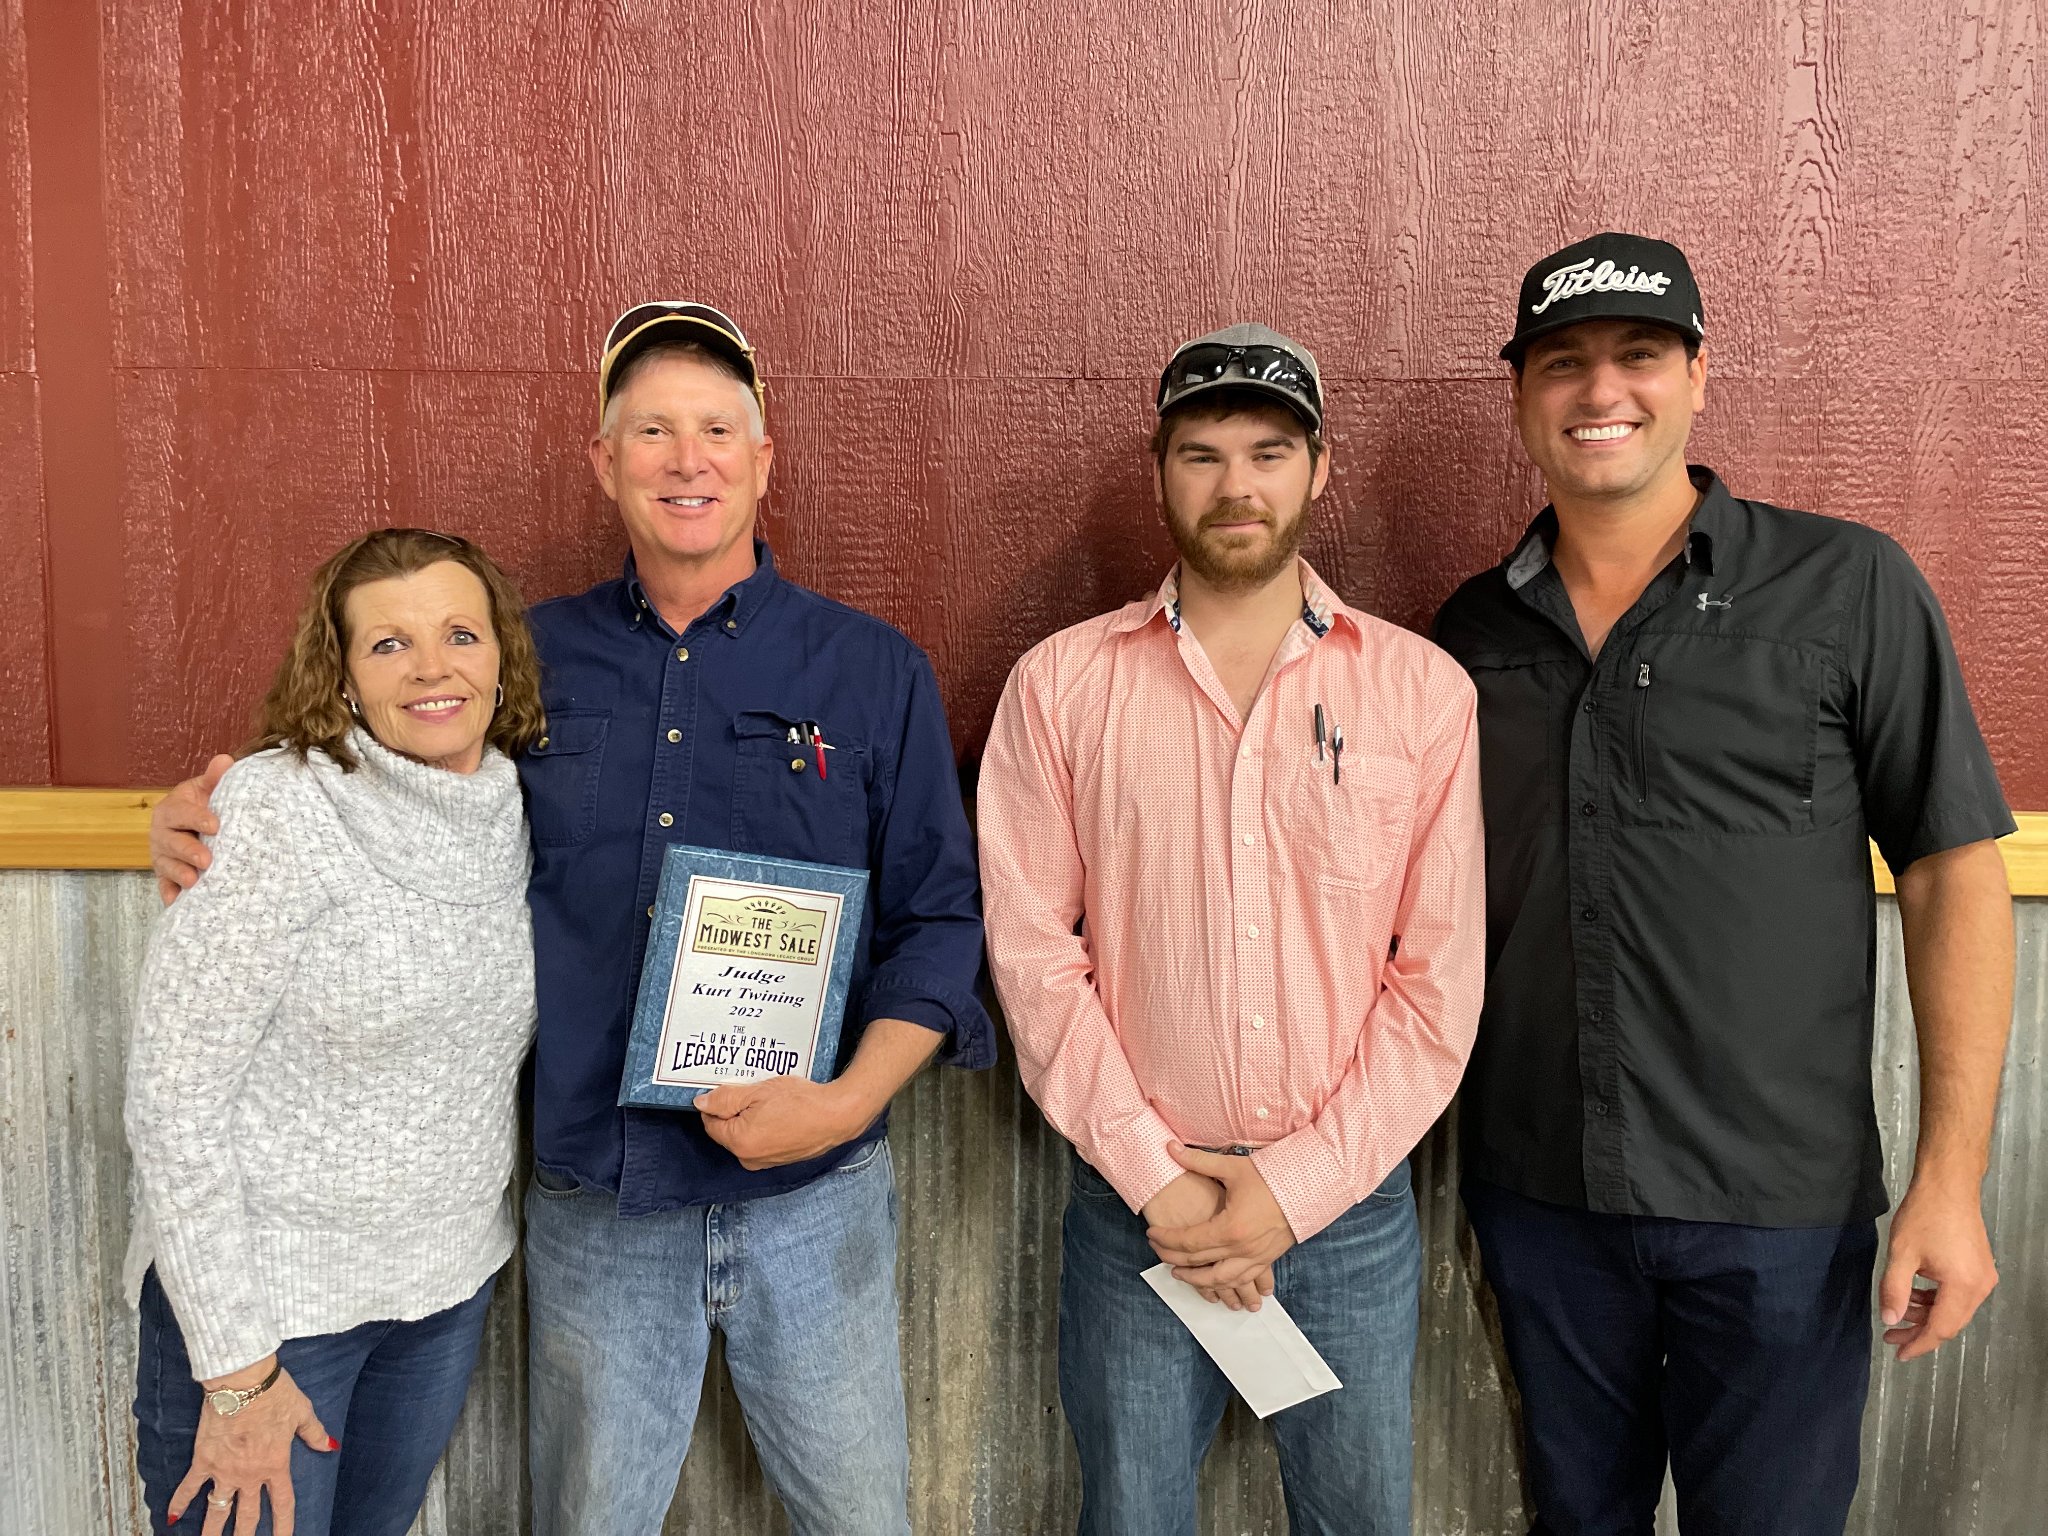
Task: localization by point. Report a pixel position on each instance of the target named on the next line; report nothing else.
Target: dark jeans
(389, 1392)
(1740, 1353)
(1144, 1400)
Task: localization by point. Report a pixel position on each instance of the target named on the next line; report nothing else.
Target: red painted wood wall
(275, 273)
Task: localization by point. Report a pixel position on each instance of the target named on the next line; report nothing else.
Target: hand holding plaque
(746, 976)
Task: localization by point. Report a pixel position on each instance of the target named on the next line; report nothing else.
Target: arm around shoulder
(176, 826)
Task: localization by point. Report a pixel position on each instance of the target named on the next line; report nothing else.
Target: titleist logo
(1583, 277)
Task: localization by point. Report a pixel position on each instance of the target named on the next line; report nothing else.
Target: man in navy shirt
(768, 1213)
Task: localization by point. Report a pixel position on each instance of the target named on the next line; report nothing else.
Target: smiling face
(1236, 493)
(422, 663)
(1605, 407)
(683, 457)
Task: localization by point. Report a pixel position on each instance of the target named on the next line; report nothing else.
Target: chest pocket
(1526, 708)
(560, 775)
(1353, 833)
(1719, 732)
(782, 806)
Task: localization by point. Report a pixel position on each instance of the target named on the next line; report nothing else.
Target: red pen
(818, 747)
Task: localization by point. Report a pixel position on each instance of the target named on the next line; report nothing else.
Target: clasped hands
(1220, 1228)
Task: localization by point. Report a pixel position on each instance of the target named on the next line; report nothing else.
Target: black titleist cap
(1607, 277)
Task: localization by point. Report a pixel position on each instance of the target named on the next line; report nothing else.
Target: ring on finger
(220, 1503)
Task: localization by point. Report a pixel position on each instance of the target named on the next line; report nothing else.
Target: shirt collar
(1709, 518)
(1320, 607)
(736, 607)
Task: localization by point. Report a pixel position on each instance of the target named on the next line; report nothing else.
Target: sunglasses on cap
(1213, 362)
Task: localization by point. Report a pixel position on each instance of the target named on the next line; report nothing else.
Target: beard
(1238, 561)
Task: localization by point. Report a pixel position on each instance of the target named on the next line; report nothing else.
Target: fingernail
(172, 1521)
(333, 1444)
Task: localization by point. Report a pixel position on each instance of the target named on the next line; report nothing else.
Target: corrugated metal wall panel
(69, 948)
(1953, 1445)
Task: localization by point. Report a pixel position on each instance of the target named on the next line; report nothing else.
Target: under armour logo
(1707, 602)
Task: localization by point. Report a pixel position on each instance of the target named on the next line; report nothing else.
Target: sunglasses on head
(1213, 361)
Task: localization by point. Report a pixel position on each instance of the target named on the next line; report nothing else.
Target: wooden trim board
(75, 828)
(109, 829)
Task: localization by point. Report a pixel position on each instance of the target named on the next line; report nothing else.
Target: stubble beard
(1242, 565)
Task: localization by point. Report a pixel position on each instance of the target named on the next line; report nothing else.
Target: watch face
(224, 1402)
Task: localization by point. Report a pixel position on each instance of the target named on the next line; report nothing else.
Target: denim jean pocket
(555, 1186)
(863, 1159)
(1088, 1184)
(1397, 1185)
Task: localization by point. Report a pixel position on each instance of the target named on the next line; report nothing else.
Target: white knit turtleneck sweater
(328, 1033)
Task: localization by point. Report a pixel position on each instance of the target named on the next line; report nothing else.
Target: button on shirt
(1200, 934)
(656, 738)
(1680, 914)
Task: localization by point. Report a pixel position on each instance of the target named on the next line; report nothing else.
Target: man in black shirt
(1694, 711)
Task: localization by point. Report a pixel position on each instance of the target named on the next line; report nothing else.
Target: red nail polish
(333, 1444)
(172, 1521)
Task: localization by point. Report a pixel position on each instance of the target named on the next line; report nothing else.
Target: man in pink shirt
(1231, 856)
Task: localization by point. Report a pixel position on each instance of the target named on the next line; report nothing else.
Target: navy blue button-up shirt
(656, 737)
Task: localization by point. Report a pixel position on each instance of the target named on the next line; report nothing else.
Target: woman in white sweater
(328, 1035)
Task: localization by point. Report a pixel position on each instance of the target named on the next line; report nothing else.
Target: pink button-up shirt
(1265, 956)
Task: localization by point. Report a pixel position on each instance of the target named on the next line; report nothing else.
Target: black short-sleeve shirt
(1681, 922)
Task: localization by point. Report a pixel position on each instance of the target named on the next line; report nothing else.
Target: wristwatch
(229, 1401)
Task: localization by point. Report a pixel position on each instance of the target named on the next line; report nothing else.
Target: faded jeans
(803, 1287)
(1144, 1401)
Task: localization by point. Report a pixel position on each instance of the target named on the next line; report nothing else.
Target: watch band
(229, 1401)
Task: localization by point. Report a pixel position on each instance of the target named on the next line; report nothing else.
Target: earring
(501, 696)
(353, 707)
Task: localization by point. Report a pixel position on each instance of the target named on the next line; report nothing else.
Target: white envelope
(1267, 1358)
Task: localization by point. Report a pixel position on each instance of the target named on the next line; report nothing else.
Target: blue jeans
(802, 1285)
(389, 1392)
(1144, 1401)
(1741, 1354)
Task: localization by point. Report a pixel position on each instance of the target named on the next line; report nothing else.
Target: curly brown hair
(306, 708)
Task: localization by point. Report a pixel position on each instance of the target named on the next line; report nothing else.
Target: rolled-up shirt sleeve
(1067, 1049)
(1418, 1035)
(926, 950)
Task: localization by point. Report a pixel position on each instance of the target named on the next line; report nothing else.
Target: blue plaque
(746, 976)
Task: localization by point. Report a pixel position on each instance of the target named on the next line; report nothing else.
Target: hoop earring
(353, 708)
(501, 697)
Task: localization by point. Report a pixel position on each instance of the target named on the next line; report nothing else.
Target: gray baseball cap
(1248, 356)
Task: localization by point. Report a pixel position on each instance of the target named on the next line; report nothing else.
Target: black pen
(1337, 757)
(1319, 733)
